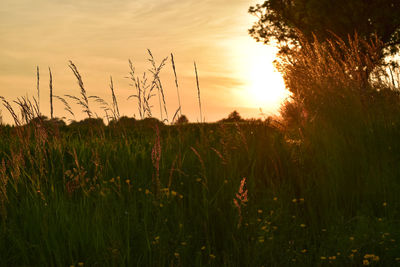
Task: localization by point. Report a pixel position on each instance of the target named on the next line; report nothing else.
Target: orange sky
(99, 36)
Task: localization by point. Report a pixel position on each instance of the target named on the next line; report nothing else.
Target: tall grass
(320, 190)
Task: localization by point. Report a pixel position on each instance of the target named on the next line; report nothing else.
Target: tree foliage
(287, 21)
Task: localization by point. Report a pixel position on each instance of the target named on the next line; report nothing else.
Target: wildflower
(304, 251)
(147, 191)
(80, 264)
(338, 253)
(112, 180)
(127, 181)
(140, 189)
(332, 258)
(212, 256)
(351, 238)
(302, 225)
(354, 250)
(294, 200)
(301, 200)
(351, 256)
(384, 204)
(261, 240)
(198, 180)
(173, 193)
(176, 254)
(183, 243)
(203, 247)
(259, 220)
(379, 219)
(323, 230)
(157, 238)
(275, 227)
(275, 199)
(259, 211)
(375, 258)
(397, 259)
(181, 196)
(225, 181)
(264, 228)
(365, 262)
(323, 258)
(161, 205)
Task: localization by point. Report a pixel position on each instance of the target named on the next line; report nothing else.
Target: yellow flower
(302, 225)
(203, 247)
(275, 199)
(127, 181)
(332, 258)
(140, 189)
(354, 250)
(365, 262)
(212, 256)
(225, 181)
(351, 238)
(181, 196)
(183, 243)
(80, 264)
(157, 237)
(198, 180)
(338, 254)
(264, 228)
(384, 204)
(323, 258)
(147, 191)
(112, 180)
(259, 211)
(261, 240)
(294, 200)
(301, 199)
(304, 251)
(375, 258)
(176, 254)
(161, 205)
(173, 193)
(379, 219)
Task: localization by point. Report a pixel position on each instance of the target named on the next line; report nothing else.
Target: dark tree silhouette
(234, 116)
(286, 21)
(182, 120)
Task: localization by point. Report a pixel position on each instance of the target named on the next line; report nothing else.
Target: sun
(263, 85)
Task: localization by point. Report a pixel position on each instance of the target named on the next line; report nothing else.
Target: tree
(182, 120)
(234, 116)
(287, 21)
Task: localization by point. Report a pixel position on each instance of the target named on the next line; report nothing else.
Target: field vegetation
(317, 186)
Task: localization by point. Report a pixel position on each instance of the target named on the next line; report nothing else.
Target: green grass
(91, 196)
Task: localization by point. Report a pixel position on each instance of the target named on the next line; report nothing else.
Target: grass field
(142, 193)
(313, 188)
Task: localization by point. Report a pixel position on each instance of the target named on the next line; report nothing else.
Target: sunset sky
(99, 36)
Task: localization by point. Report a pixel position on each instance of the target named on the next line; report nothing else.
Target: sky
(100, 36)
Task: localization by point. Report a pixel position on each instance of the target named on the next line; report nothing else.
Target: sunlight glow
(264, 86)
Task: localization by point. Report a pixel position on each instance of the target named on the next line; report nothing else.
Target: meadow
(304, 190)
